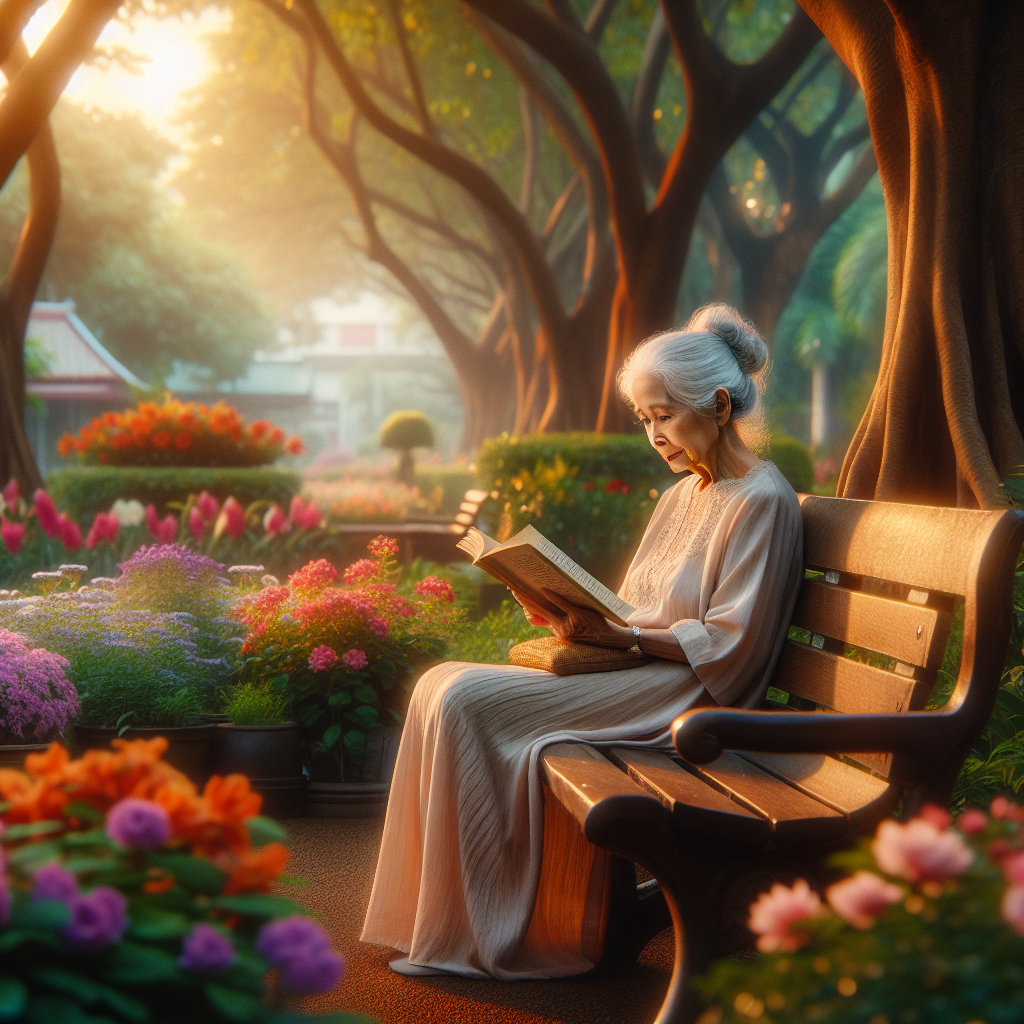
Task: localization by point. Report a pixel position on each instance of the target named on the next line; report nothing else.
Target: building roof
(75, 353)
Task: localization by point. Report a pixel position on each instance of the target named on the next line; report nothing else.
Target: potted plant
(148, 650)
(402, 432)
(343, 654)
(146, 900)
(36, 699)
(260, 742)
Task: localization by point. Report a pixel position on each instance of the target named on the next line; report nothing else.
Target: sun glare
(174, 61)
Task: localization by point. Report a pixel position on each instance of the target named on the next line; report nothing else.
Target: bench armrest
(701, 735)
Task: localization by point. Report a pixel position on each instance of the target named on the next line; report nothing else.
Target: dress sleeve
(751, 596)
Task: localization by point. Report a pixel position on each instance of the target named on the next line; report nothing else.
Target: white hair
(716, 349)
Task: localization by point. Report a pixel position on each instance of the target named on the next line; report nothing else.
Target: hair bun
(740, 335)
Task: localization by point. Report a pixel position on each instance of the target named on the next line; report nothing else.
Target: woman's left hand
(585, 626)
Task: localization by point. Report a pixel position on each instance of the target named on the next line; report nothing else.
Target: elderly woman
(467, 882)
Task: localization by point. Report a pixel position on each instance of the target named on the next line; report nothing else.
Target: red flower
(162, 439)
(12, 534)
(275, 522)
(588, 486)
(70, 534)
(381, 546)
(182, 440)
(314, 575)
(612, 486)
(104, 527)
(195, 523)
(46, 513)
(294, 446)
(208, 506)
(11, 493)
(232, 519)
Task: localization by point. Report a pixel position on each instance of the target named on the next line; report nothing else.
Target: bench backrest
(875, 610)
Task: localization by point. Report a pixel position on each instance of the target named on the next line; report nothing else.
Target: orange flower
(182, 440)
(159, 885)
(255, 870)
(162, 439)
(65, 445)
(294, 446)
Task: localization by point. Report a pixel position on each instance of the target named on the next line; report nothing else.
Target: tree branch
(531, 151)
(836, 202)
(14, 16)
(411, 71)
(645, 95)
(598, 18)
(840, 147)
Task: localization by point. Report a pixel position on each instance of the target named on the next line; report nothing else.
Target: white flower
(128, 513)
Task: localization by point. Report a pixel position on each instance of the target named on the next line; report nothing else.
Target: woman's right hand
(534, 613)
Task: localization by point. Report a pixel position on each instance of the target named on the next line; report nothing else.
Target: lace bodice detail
(685, 534)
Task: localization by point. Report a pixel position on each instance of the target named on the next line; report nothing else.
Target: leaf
(30, 829)
(35, 855)
(53, 1009)
(43, 914)
(260, 905)
(90, 992)
(194, 873)
(84, 812)
(149, 922)
(355, 741)
(234, 1005)
(308, 716)
(330, 737)
(341, 698)
(13, 998)
(365, 717)
(366, 693)
(265, 830)
(136, 964)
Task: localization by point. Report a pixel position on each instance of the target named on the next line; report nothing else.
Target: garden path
(338, 857)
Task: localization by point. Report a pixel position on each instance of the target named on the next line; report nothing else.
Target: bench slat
(863, 798)
(475, 495)
(472, 507)
(465, 518)
(695, 806)
(845, 685)
(794, 816)
(580, 779)
(909, 633)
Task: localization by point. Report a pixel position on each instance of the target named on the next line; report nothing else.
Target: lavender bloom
(170, 578)
(205, 950)
(312, 975)
(54, 883)
(303, 952)
(36, 697)
(138, 824)
(98, 918)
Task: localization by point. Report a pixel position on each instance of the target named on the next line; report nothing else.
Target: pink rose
(1012, 908)
(776, 910)
(862, 898)
(12, 535)
(46, 513)
(354, 660)
(972, 822)
(918, 851)
(322, 658)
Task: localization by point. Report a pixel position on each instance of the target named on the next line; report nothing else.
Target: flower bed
(125, 892)
(175, 433)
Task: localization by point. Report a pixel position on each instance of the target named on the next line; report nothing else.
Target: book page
(476, 543)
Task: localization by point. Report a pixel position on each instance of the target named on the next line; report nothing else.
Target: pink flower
(436, 589)
(937, 815)
(12, 534)
(1013, 868)
(231, 520)
(104, 527)
(196, 522)
(972, 822)
(70, 534)
(314, 575)
(776, 910)
(274, 522)
(11, 493)
(165, 530)
(1000, 807)
(918, 851)
(304, 517)
(381, 546)
(862, 898)
(355, 660)
(46, 513)
(360, 572)
(207, 507)
(378, 626)
(322, 658)
(1012, 908)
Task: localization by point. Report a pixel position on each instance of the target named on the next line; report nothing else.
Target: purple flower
(303, 952)
(35, 695)
(97, 919)
(139, 824)
(54, 883)
(205, 950)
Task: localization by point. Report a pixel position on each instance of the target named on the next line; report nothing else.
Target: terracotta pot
(271, 755)
(192, 748)
(12, 755)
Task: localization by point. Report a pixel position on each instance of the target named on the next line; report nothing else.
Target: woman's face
(681, 436)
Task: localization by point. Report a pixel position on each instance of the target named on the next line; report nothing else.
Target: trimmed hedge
(793, 459)
(84, 490)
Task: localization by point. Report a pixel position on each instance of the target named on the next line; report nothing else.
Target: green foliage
(253, 704)
(85, 490)
(488, 641)
(793, 460)
(942, 956)
(141, 278)
(406, 429)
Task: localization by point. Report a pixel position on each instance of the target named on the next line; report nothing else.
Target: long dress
(467, 880)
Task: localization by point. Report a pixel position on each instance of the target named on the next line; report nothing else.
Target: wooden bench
(762, 795)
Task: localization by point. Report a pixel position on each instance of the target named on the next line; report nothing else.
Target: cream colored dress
(475, 875)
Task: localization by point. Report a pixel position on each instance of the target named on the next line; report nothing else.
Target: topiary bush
(793, 459)
(402, 431)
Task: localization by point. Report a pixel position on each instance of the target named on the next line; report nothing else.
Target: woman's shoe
(402, 966)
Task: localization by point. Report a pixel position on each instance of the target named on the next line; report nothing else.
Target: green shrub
(254, 704)
(84, 490)
(591, 494)
(406, 429)
(793, 459)
(487, 642)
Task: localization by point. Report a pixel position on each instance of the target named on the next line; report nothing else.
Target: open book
(529, 561)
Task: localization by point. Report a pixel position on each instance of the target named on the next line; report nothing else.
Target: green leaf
(365, 716)
(340, 699)
(54, 1009)
(32, 828)
(265, 830)
(90, 992)
(35, 855)
(135, 964)
(355, 741)
(79, 865)
(149, 922)
(260, 905)
(13, 998)
(366, 693)
(84, 812)
(234, 1005)
(331, 735)
(42, 914)
(11, 938)
(195, 873)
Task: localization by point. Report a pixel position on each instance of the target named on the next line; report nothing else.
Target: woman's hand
(577, 624)
(535, 615)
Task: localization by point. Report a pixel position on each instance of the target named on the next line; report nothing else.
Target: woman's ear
(723, 407)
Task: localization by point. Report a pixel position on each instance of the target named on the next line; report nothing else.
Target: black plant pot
(365, 794)
(12, 755)
(271, 755)
(191, 749)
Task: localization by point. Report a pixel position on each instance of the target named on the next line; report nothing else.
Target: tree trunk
(942, 89)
